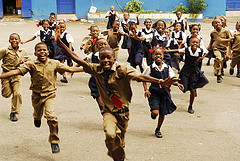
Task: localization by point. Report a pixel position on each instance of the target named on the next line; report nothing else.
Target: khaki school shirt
(113, 38)
(92, 48)
(11, 59)
(236, 42)
(119, 83)
(43, 76)
(222, 34)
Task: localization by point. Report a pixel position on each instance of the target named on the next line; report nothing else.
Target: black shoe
(219, 79)
(225, 65)
(37, 123)
(222, 72)
(208, 63)
(190, 110)
(153, 116)
(118, 160)
(238, 74)
(13, 117)
(55, 148)
(231, 71)
(64, 80)
(158, 134)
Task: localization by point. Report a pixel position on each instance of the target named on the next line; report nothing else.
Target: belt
(122, 110)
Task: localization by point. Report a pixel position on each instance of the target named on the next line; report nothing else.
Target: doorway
(9, 7)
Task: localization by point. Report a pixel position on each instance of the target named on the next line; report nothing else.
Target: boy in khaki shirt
(220, 39)
(113, 82)
(43, 73)
(12, 57)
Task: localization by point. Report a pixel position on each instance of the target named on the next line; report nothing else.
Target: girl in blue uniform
(159, 97)
(137, 51)
(112, 15)
(191, 75)
(47, 36)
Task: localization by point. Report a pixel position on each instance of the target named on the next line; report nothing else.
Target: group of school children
(110, 80)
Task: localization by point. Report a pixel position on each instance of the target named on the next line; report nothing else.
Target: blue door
(66, 6)
(233, 5)
(1, 8)
(26, 8)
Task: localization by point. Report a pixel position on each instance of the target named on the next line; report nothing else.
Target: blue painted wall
(42, 8)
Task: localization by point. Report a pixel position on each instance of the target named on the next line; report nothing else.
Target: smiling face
(52, 19)
(148, 23)
(194, 43)
(106, 59)
(195, 30)
(45, 25)
(116, 25)
(41, 52)
(160, 26)
(133, 29)
(62, 27)
(238, 26)
(179, 14)
(158, 55)
(126, 16)
(94, 32)
(101, 43)
(167, 32)
(14, 40)
(217, 24)
(177, 27)
(112, 8)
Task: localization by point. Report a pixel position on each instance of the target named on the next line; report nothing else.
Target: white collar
(63, 34)
(196, 54)
(154, 65)
(148, 30)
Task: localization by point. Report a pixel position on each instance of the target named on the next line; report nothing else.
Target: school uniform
(188, 38)
(11, 60)
(115, 120)
(126, 44)
(148, 34)
(113, 39)
(191, 75)
(137, 51)
(43, 86)
(181, 21)
(235, 50)
(160, 98)
(93, 47)
(220, 49)
(93, 58)
(111, 18)
(45, 37)
(60, 53)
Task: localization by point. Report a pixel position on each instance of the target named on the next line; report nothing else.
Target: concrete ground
(211, 133)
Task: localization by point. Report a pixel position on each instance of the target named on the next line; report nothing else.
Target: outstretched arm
(10, 73)
(31, 39)
(70, 53)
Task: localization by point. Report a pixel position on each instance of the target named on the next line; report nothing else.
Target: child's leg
(192, 97)
(160, 121)
(138, 60)
(17, 97)
(238, 70)
(218, 64)
(115, 140)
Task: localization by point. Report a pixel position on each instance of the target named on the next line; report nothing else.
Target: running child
(90, 45)
(220, 39)
(52, 20)
(47, 36)
(112, 15)
(235, 47)
(113, 82)
(179, 19)
(210, 53)
(125, 23)
(148, 34)
(43, 73)
(137, 51)
(114, 36)
(67, 39)
(159, 99)
(12, 57)
(194, 30)
(191, 75)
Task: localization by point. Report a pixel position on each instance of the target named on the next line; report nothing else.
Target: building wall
(42, 8)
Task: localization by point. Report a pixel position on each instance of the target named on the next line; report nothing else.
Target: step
(67, 17)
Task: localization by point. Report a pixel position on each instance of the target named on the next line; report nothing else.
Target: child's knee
(6, 94)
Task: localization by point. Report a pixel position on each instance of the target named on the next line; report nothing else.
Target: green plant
(181, 7)
(134, 6)
(197, 6)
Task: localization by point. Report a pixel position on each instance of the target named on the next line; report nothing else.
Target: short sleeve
(132, 73)
(25, 68)
(37, 33)
(117, 14)
(147, 71)
(171, 72)
(25, 54)
(69, 38)
(107, 13)
(89, 68)
(182, 50)
(105, 33)
(61, 68)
